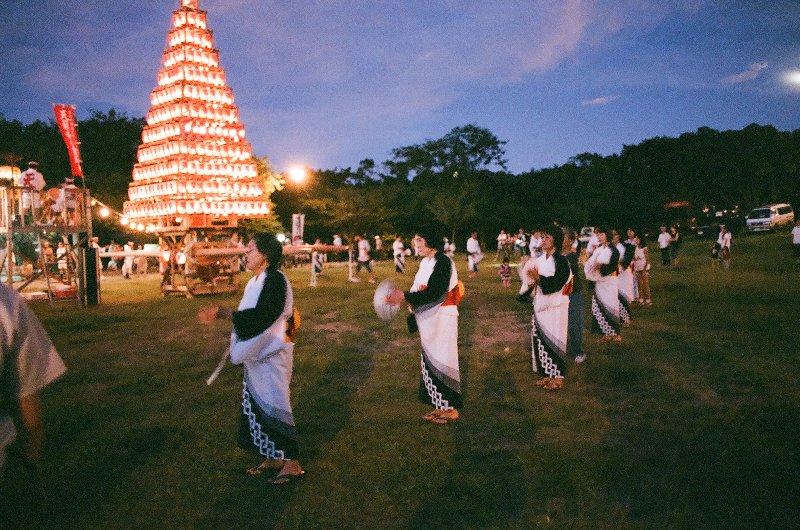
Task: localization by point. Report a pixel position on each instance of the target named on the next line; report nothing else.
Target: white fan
(385, 310)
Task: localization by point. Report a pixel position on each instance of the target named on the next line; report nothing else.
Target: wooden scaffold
(31, 221)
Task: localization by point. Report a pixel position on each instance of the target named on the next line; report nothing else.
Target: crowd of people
(556, 272)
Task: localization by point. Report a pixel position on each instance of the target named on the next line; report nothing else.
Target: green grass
(694, 420)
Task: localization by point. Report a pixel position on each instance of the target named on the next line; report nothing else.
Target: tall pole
(9, 257)
(9, 204)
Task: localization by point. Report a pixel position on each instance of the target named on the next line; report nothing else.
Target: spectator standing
(521, 243)
(675, 243)
(576, 300)
(724, 245)
(796, 239)
(448, 248)
(641, 270)
(127, 263)
(502, 240)
(664, 240)
(364, 258)
(337, 241)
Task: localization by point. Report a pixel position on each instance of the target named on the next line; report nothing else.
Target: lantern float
(195, 169)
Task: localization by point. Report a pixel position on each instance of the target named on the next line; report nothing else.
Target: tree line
(460, 182)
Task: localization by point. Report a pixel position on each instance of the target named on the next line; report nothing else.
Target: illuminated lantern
(193, 145)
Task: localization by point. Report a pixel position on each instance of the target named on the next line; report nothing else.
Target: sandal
(554, 383)
(445, 416)
(431, 415)
(286, 478)
(264, 466)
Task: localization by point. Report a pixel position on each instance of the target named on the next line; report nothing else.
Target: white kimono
(626, 286)
(399, 253)
(605, 298)
(474, 254)
(438, 332)
(550, 318)
(267, 423)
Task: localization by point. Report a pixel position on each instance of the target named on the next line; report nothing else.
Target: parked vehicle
(708, 225)
(770, 217)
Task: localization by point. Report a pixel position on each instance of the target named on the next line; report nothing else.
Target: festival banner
(68, 125)
(298, 222)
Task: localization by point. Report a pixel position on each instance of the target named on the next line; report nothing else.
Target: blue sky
(327, 83)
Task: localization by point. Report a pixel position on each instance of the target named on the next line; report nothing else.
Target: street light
(298, 174)
(792, 77)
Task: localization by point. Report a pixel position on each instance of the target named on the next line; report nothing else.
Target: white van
(769, 217)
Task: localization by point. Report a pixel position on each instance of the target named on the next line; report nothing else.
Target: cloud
(602, 100)
(748, 75)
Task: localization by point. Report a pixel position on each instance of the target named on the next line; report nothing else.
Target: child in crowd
(505, 273)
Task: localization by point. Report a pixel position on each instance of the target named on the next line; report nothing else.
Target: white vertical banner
(298, 222)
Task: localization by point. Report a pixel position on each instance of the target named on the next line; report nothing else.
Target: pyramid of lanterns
(195, 169)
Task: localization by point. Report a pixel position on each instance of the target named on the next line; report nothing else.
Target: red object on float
(68, 126)
(194, 160)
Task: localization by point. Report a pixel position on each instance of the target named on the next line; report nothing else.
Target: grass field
(694, 420)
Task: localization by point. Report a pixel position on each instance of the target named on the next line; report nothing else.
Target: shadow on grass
(321, 413)
(674, 460)
(485, 484)
(78, 489)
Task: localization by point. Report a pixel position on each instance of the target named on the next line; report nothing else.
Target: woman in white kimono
(626, 281)
(399, 252)
(434, 299)
(262, 341)
(602, 269)
(449, 248)
(474, 254)
(552, 278)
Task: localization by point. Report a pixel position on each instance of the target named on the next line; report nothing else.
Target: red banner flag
(68, 125)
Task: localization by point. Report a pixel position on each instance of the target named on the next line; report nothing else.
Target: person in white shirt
(33, 183)
(724, 246)
(474, 254)
(502, 241)
(29, 362)
(664, 241)
(127, 264)
(337, 241)
(536, 244)
(592, 244)
(796, 239)
(399, 253)
(521, 243)
(67, 202)
(364, 259)
(415, 245)
(62, 260)
(448, 248)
